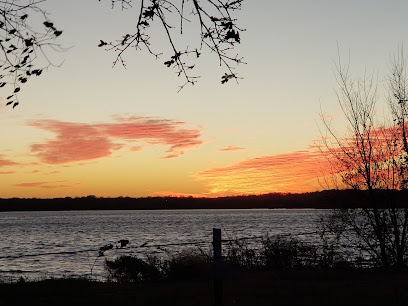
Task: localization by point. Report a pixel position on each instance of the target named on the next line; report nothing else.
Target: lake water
(40, 245)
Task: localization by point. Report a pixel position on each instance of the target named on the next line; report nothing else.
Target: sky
(87, 128)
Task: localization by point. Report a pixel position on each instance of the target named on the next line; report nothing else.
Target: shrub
(241, 255)
(192, 264)
(131, 269)
(280, 253)
(272, 253)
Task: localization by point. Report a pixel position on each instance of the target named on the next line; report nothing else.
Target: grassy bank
(292, 287)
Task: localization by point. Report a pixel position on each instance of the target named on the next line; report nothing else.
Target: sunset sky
(86, 128)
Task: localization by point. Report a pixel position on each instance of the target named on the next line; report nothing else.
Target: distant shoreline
(327, 199)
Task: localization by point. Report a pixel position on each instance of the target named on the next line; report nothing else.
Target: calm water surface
(24, 234)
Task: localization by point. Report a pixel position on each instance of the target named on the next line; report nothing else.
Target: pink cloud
(73, 142)
(155, 131)
(78, 141)
(7, 172)
(231, 148)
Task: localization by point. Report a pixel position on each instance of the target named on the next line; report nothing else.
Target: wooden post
(217, 267)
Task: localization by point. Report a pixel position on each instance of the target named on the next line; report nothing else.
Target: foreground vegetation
(284, 287)
(277, 271)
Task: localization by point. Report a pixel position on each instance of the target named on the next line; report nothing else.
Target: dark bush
(131, 269)
(279, 253)
(187, 265)
(241, 255)
(271, 253)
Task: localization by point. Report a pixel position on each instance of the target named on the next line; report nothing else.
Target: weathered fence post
(217, 267)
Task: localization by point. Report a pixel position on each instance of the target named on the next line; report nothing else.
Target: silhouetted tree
(26, 33)
(217, 28)
(371, 156)
(24, 41)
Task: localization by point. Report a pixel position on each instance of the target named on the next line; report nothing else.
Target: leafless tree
(217, 28)
(371, 157)
(26, 32)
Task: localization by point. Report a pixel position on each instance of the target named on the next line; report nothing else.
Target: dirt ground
(333, 287)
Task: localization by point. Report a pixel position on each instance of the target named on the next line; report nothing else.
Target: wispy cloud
(79, 141)
(46, 185)
(174, 194)
(231, 148)
(137, 148)
(7, 172)
(72, 142)
(289, 172)
(4, 162)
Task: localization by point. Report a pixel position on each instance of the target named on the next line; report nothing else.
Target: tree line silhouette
(328, 199)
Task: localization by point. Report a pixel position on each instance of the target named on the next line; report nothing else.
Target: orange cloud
(231, 148)
(5, 162)
(379, 148)
(289, 172)
(137, 148)
(174, 194)
(7, 172)
(46, 185)
(79, 141)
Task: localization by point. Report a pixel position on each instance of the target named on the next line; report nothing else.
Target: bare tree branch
(372, 156)
(24, 44)
(218, 31)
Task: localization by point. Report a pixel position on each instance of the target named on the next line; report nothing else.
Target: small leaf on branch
(227, 25)
(48, 24)
(37, 72)
(28, 43)
(226, 77)
(24, 61)
(125, 38)
(232, 34)
(148, 14)
(102, 43)
(17, 89)
(15, 104)
(8, 103)
(169, 63)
